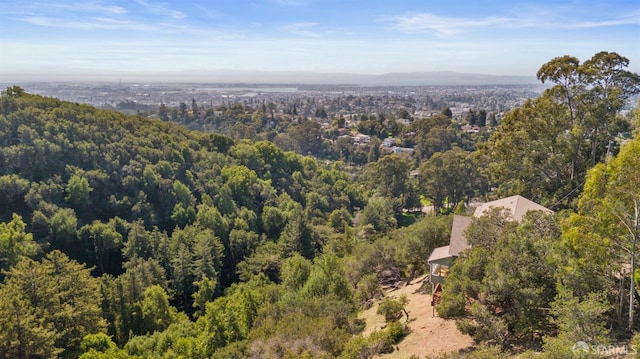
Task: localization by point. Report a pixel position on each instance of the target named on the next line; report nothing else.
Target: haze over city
(126, 40)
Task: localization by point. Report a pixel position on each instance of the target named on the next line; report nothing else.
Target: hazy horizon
(125, 39)
(445, 78)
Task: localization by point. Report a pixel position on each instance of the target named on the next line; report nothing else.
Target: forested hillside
(175, 226)
(128, 237)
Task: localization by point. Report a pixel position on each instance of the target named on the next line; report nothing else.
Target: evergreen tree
(49, 306)
(15, 244)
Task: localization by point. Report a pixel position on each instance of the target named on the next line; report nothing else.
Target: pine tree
(47, 307)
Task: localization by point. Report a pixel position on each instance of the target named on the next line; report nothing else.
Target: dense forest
(129, 237)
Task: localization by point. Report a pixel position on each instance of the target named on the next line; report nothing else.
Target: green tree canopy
(48, 307)
(15, 243)
(544, 148)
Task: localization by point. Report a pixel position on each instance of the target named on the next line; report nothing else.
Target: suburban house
(517, 207)
(442, 258)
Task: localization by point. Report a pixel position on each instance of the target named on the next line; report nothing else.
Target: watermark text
(604, 349)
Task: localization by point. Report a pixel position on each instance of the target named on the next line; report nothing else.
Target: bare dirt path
(429, 336)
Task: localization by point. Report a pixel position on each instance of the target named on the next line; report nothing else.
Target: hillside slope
(429, 335)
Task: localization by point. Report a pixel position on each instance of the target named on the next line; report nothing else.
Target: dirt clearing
(429, 335)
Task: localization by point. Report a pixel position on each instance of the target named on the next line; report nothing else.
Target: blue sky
(372, 37)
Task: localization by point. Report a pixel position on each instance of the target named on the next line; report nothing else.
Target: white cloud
(163, 10)
(92, 7)
(77, 8)
(313, 30)
(442, 25)
(631, 20)
(92, 23)
(446, 26)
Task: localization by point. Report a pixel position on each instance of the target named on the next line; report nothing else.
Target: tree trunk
(632, 291)
(633, 285)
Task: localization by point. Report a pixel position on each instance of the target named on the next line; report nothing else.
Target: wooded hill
(168, 220)
(122, 236)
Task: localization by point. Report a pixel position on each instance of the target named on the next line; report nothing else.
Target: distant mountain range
(443, 78)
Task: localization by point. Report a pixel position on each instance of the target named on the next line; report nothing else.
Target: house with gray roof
(515, 206)
(442, 258)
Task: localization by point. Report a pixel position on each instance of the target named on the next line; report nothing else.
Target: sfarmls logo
(603, 349)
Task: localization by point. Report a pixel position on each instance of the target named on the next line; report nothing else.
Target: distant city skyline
(45, 39)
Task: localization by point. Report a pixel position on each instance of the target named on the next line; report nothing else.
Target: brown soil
(429, 335)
